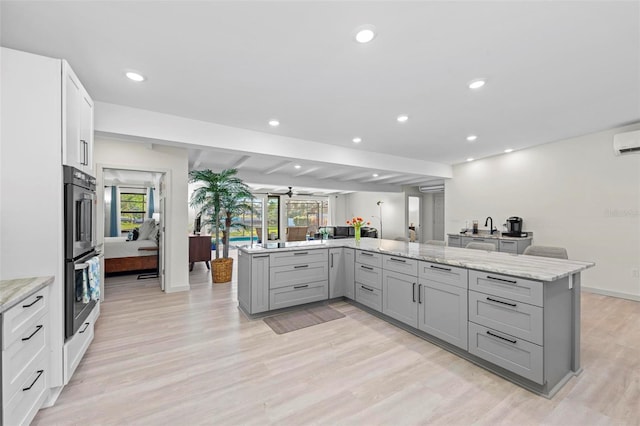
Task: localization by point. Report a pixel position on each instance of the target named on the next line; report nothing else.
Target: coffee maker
(514, 227)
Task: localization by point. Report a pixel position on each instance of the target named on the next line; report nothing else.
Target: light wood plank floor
(193, 358)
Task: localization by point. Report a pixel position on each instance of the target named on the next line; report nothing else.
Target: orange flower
(348, 222)
(368, 223)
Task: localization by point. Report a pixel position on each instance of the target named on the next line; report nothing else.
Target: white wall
(363, 204)
(574, 193)
(117, 154)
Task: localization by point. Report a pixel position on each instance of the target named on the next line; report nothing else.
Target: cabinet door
(443, 312)
(454, 241)
(72, 153)
(349, 273)
(399, 297)
(336, 273)
(259, 284)
(86, 131)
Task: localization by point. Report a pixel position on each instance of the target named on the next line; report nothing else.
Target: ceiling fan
(289, 193)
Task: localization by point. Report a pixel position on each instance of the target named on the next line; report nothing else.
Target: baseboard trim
(620, 295)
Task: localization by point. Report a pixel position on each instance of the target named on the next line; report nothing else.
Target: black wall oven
(79, 245)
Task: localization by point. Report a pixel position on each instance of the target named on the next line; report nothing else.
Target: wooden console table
(199, 250)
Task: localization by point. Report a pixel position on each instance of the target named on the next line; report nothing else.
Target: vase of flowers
(357, 223)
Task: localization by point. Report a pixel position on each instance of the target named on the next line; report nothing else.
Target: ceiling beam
(277, 167)
(306, 171)
(383, 178)
(240, 162)
(198, 160)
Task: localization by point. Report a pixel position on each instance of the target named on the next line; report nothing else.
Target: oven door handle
(79, 266)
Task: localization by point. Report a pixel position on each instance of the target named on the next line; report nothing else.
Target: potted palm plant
(221, 197)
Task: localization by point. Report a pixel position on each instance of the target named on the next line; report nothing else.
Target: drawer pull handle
(413, 292)
(489, 277)
(420, 293)
(398, 260)
(366, 288)
(478, 239)
(301, 286)
(500, 301)
(86, 325)
(370, 268)
(440, 268)
(508, 242)
(24, 339)
(364, 253)
(34, 382)
(259, 257)
(38, 298)
(300, 253)
(300, 266)
(500, 337)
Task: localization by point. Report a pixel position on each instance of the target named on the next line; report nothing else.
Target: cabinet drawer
(513, 288)
(509, 246)
(467, 240)
(21, 318)
(369, 276)
(298, 294)
(75, 348)
(18, 359)
(454, 241)
(443, 274)
(508, 316)
(369, 296)
(285, 276)
(443, 312)
(298, 257)
(400, 264)
(514, 354)
(369, 258)
(21, 407)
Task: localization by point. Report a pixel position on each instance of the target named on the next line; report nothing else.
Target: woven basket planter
(221, 270)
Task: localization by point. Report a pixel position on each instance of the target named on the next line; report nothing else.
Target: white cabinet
(298, 277)
(77, 123)
(25, 358)
(75, 348)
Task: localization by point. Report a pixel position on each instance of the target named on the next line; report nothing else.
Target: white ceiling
(554, 70)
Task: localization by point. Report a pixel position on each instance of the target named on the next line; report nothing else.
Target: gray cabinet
(349, 273)
(399, 297)
(508, 287)
(337, 282)
(403, 265)
(466, 240)
(514, 246)
(253, 282)
(454, 240)
(369, 258)
(368, 279)
(297, 294)
(369, 296)
(442, 303)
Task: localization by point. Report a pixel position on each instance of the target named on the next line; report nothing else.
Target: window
(309, 213)
(133, 209)
(273, 217)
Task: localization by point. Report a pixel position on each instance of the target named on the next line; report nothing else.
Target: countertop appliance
(514, 227)
(79, 244)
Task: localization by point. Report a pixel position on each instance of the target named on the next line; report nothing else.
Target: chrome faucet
(491, 228)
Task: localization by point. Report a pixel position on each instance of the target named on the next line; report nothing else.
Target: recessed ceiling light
(135, 76)
(469, 159)
(357, 140)
(402, 118)
(375, 175)
(365, 33)
(274, 123)
(508, 150)
(476, 84)
(297, 166)
(472, 138)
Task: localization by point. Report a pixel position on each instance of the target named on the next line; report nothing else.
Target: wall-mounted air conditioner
(627, 143)
(431, 188)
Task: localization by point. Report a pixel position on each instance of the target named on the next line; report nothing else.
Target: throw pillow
(146, 228)
(136, 234)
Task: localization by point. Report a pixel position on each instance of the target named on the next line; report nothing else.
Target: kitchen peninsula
(517, 316)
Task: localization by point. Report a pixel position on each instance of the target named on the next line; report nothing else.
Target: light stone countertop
(533, 267)
(14, 291)
(496, 235)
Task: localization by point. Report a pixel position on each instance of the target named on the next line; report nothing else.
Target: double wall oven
(79, 245)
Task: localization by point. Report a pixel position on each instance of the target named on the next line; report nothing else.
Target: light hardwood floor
(194, 358)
